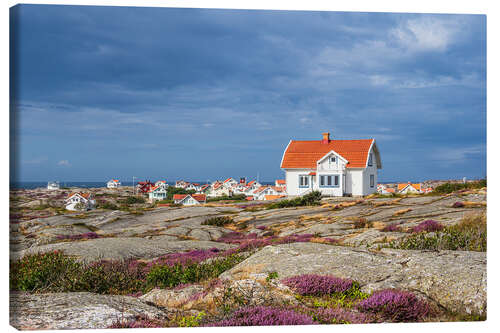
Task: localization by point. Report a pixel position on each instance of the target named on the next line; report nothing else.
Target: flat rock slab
(75, 310)
(455, 280)
(122, 248)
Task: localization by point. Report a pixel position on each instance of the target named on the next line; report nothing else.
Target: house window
(370, 160)
(333, 159)
(329, 180)
(303, 181)
(372, 180)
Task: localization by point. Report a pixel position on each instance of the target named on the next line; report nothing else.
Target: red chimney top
(326, 138)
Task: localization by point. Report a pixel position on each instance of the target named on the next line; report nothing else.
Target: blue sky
(103, 92)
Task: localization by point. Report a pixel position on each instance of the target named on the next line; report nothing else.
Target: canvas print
(182, 167)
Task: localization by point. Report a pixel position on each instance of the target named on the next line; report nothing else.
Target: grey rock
(455, 280)
(75, 310)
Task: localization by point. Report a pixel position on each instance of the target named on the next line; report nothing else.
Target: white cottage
(333, 167)
(113, 183)
(190, 199)
(79, 201)
(158, 192)
(53, 186)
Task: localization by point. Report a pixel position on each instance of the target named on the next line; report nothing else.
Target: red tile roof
(197, 197)
(280, 181)
(82, 194)
(402, 186)
(305, 154)
(227, 180)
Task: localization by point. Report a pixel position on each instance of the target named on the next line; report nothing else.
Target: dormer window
(333, 159)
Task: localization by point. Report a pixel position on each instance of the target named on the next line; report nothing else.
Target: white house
(162, 183)
(113, 183)
(229, 183)
(53, 186)
(382, 189)
(218, 190)
(409, 188)
(158, 192)
(190, 199)
(85, 199)
(268, 193)
(333, 167)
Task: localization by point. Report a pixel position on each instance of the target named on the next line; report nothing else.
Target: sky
(205, 94)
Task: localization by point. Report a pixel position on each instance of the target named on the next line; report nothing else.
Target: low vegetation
(310, 199)
(236, 197)
(453, 187)
(219, 221)
(468, 235)
(55, 272)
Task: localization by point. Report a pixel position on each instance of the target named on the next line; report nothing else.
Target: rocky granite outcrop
(75, 310)
(455, 280)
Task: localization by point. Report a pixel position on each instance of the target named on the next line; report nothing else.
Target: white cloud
(428, 33)
(64, 163)
(379, 80)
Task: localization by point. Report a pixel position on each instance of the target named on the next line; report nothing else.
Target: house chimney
(326, 138)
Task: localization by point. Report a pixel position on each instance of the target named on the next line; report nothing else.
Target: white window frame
(306, 178)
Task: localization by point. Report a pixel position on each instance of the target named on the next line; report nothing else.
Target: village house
(218, 190)
(229, 183)
(79, 201)
(144, 187)
(113, 183)
(409, 188)
(280, 182)
(158, 192)
(162, 183)
(53, 186)
(190, 199)
(383, 189)
(333, 167)
(268, 193)
(180, 184)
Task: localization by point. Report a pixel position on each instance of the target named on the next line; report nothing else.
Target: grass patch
(468, 235)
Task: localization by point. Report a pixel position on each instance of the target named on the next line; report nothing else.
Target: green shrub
(134, 199)
(236, 197)
(191, 321)
(164, 276)
(39, 272)
(271, 276)
(219, 221)
(309, 199)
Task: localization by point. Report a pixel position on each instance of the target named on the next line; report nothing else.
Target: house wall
(292, 181)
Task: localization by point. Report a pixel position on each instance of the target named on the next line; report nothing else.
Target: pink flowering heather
(458, 204)
(396, 305)
(317, 285)
(394, 227)
(427, 225)
(261, 227)
(264, 316)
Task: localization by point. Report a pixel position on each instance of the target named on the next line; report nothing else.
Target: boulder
(456, 280)
(75, 310)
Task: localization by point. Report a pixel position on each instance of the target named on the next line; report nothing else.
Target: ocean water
(32, 185)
